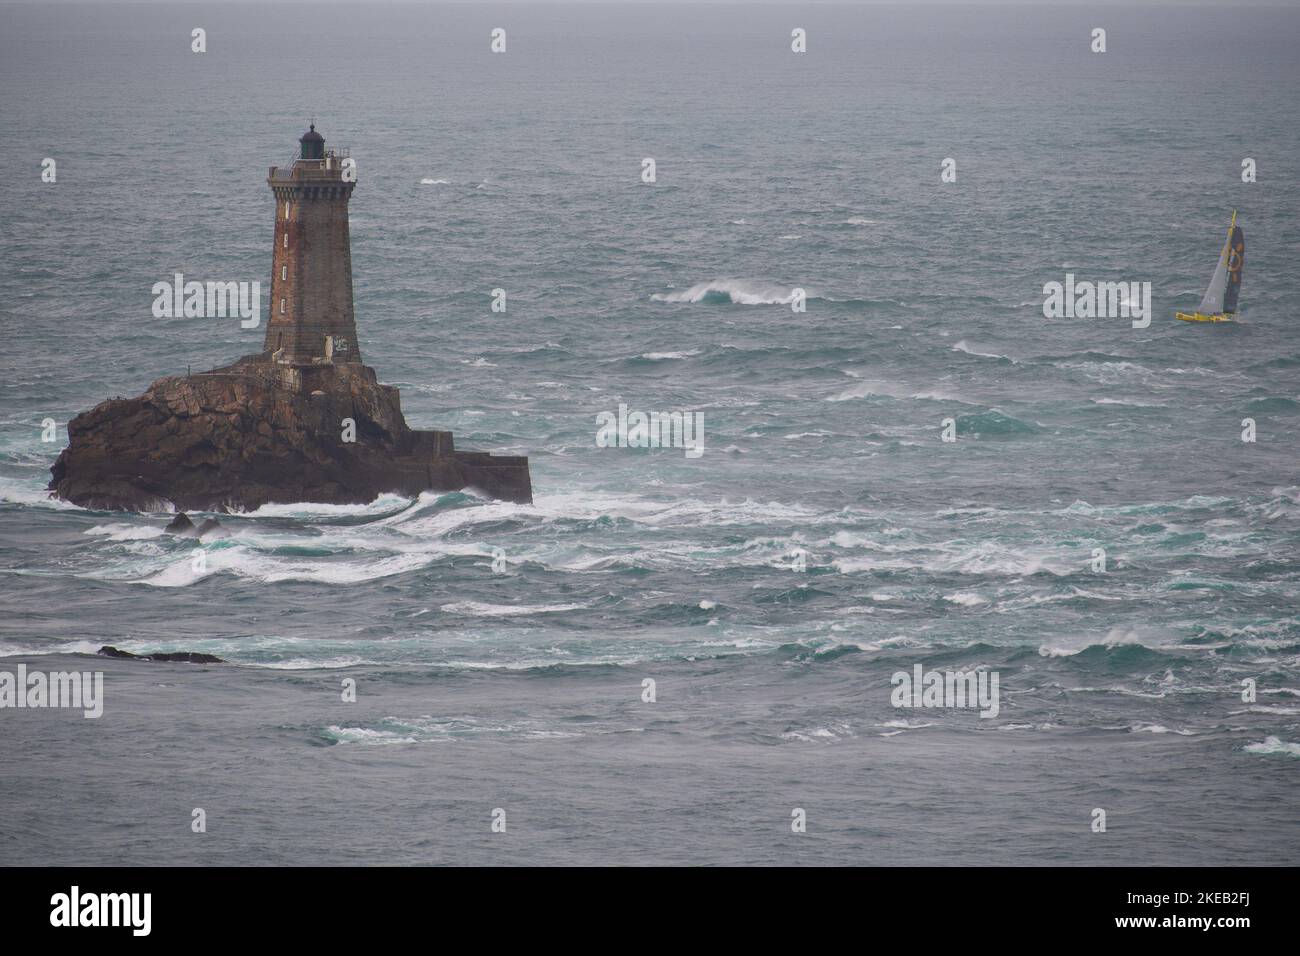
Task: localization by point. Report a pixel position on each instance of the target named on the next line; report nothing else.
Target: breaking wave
(1274, 745)
(732, 292)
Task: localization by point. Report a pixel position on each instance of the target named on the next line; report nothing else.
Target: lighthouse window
(286, 238)
(286, 210)
(282, 306)
(284, 272)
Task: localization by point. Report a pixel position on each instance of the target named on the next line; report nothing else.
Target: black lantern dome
(313, 144)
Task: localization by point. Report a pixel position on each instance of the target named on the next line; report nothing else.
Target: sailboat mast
(1234, 264)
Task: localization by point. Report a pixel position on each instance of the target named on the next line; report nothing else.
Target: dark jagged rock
(211, 527)
(181, 524)
(182, 657)
(257, 432)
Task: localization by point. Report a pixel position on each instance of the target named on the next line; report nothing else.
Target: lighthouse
(303, 420)
(312, 320)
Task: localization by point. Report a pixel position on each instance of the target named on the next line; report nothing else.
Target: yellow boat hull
(1201, 317)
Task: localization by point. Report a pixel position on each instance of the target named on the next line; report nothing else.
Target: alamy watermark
(210, 300)
(1098, 300)
(36, 689)
(74, 908)
(651, 430)
(923, 688)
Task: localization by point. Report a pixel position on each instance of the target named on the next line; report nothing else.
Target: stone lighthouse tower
(312, 322)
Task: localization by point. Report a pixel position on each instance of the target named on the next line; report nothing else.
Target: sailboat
(1220, 301)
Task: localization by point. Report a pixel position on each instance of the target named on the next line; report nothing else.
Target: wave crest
(733, 292)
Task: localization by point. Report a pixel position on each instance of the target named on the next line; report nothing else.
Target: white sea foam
(31, 493)
(662, 356)
(177, 575)
(739, 291)
(244, 562)
(366, 735)
(1131, 404)
(1111, 373)
(1153, 639)
(985, 557)
(1123, 691)
(1274, 745)
(439, 730)
(126, 532)
(1159, 729)
(35, 650)
(963, 347)
(478, 609)
(305, 509)
(310, 663)
(819, 734)
(868, 389)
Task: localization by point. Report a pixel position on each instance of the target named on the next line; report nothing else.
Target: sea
(673, 658)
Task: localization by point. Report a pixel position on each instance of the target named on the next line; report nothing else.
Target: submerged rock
(183, 657)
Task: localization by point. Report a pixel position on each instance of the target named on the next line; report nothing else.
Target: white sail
(1212, 303)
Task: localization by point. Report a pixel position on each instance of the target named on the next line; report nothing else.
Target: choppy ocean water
(522, 689)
